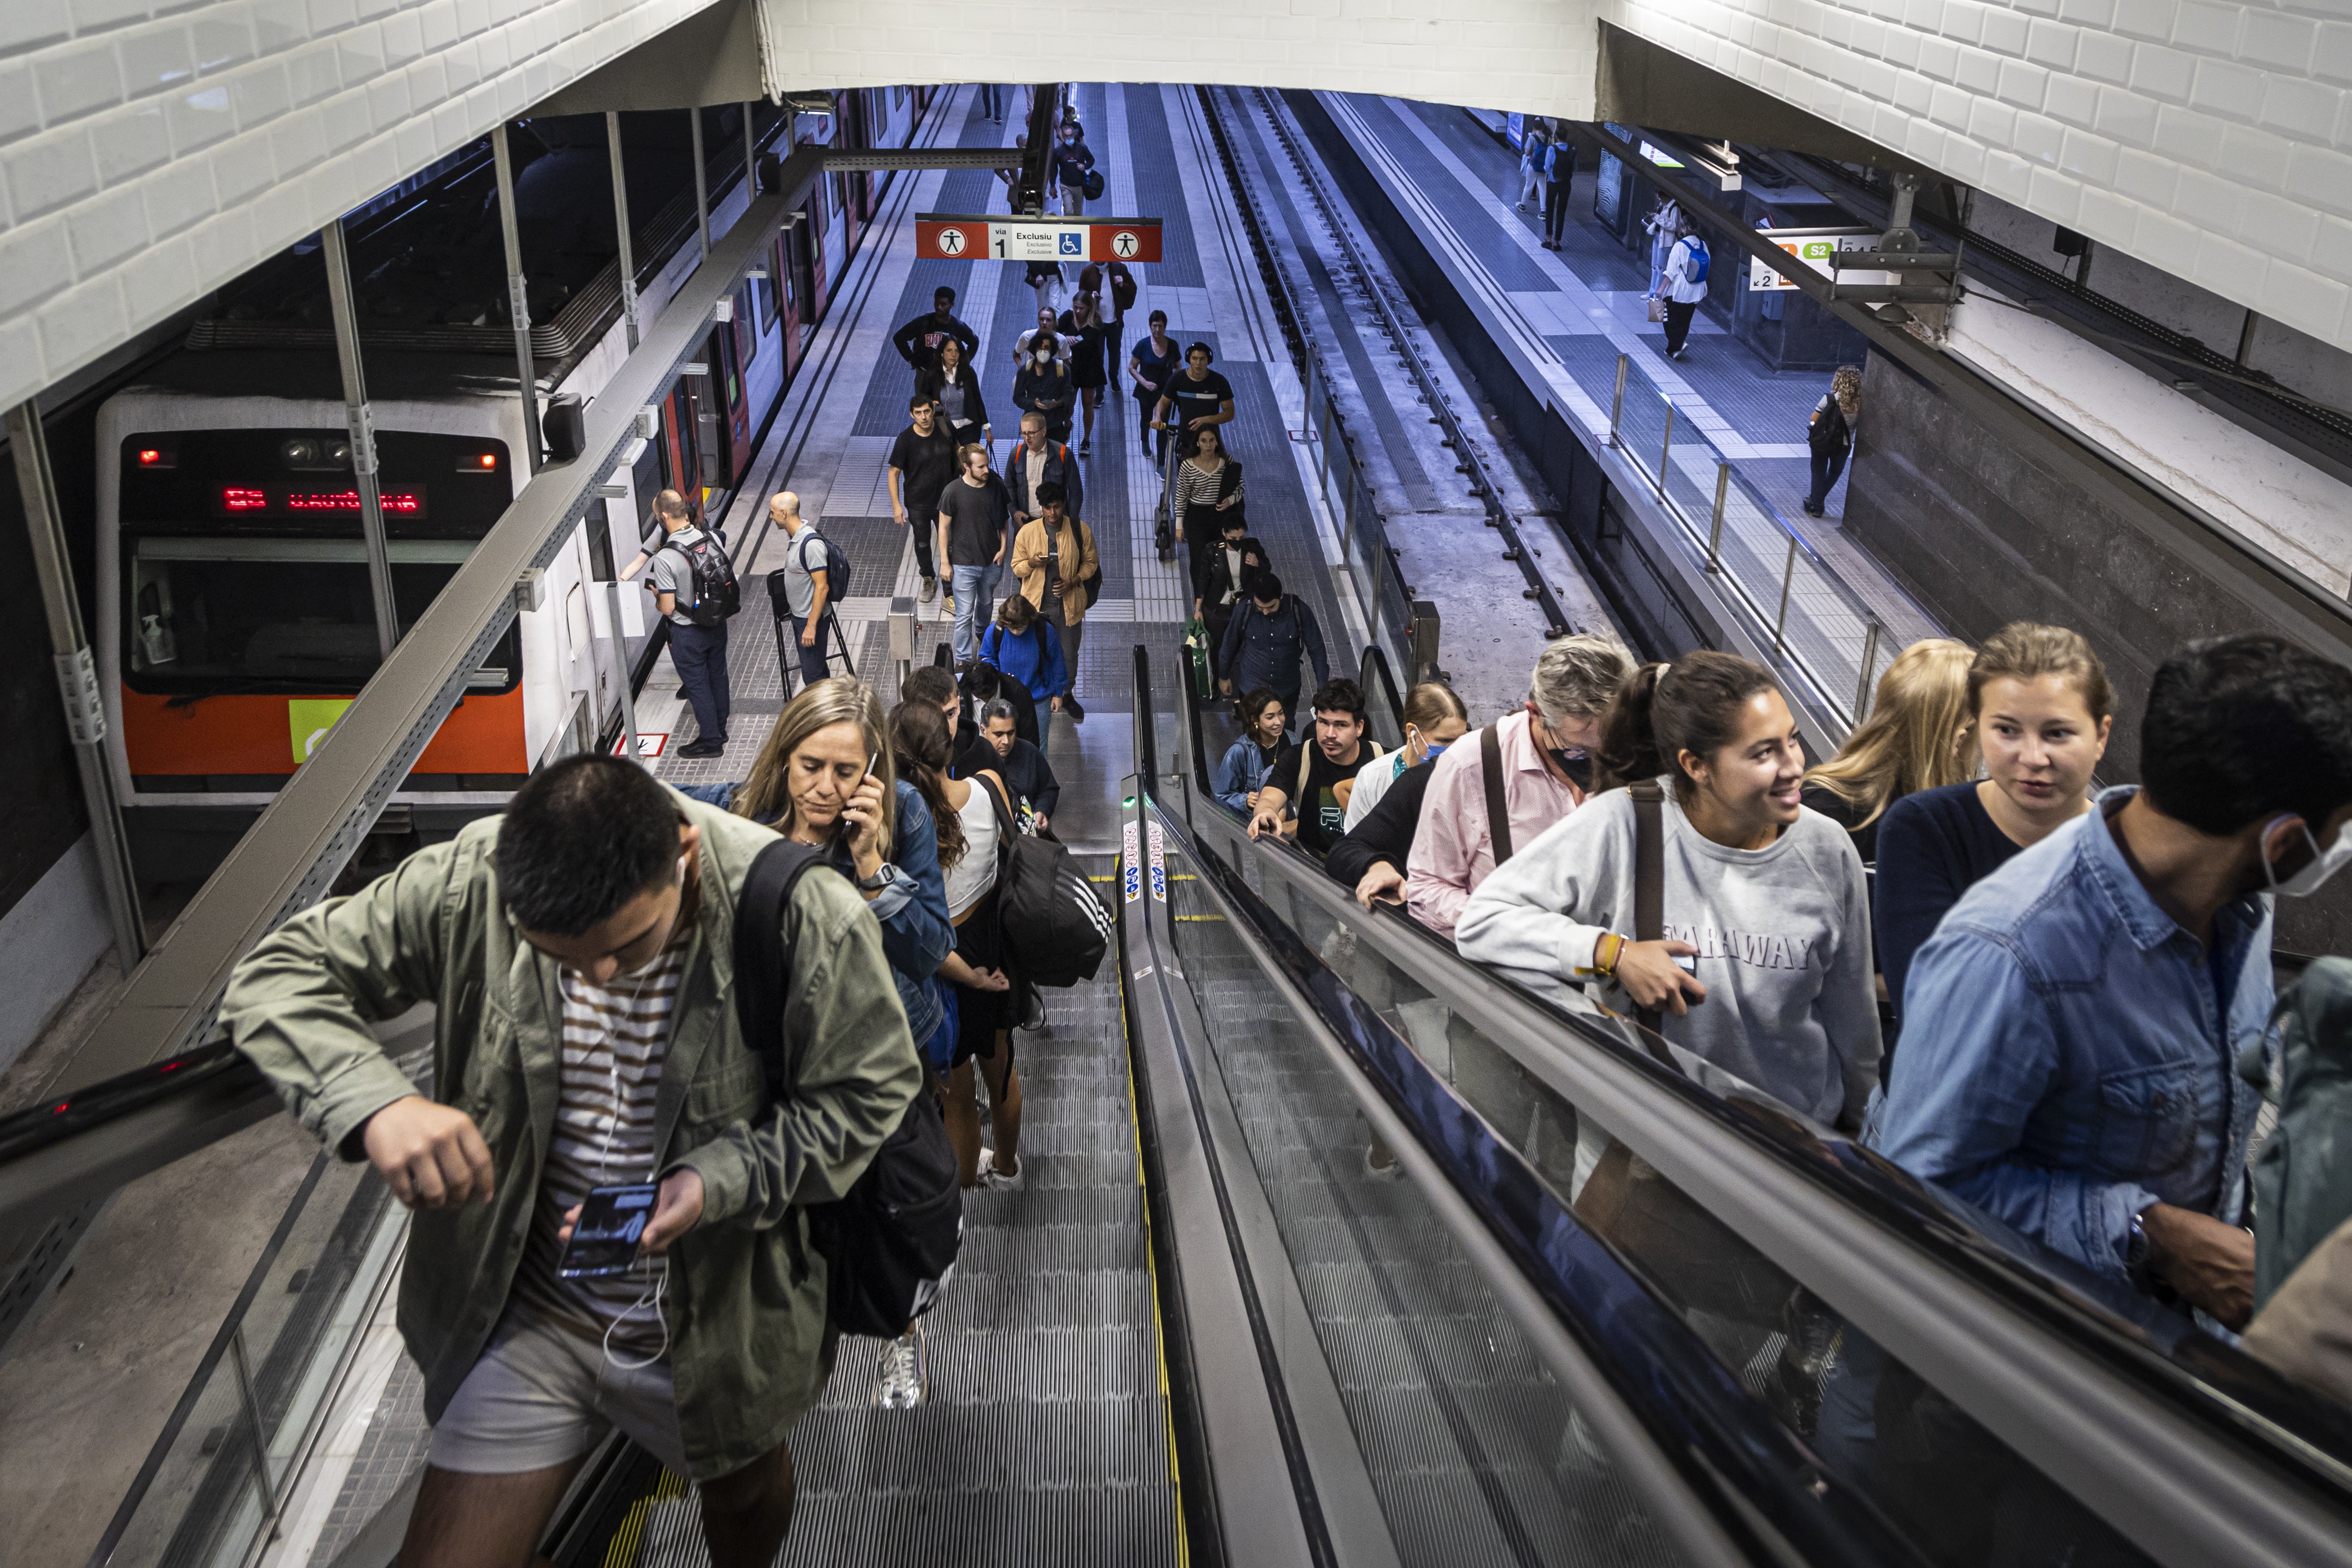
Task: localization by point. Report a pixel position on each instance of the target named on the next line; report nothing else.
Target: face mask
(1573, 762)
(2324, 862)
(1045, 356)
(1434, 749)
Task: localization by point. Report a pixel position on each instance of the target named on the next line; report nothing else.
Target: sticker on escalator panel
(1130, 864)
(1159, 866)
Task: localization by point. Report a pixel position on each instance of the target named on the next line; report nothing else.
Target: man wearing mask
(2072, 1030)
(1072, 159)
(1545, 773)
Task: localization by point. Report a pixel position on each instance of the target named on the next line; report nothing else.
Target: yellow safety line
(1152, 1268)
(1200, 917)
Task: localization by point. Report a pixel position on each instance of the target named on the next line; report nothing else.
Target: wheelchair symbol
(1072, 244)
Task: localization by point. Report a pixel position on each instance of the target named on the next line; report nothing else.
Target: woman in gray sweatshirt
(1763, 898)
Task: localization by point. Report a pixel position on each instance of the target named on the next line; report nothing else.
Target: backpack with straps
(835, 567)
(717, 594)
(1055, 930)
(2303, 1173)
(890, 1242)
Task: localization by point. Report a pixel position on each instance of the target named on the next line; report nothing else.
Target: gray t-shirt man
(669, 572)
(804, 555)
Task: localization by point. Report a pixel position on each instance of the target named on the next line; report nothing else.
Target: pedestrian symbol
(951, 241)
(1073, 244)
(1123, 244)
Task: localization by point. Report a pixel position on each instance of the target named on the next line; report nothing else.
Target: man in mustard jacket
(580, 953)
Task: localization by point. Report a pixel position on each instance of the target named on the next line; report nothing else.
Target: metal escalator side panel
(2111, 1409)
(1715, 1467)
(1249, 1486)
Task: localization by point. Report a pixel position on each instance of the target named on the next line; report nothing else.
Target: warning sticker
(308, 719)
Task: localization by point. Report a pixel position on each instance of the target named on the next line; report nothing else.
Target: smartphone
(841, 823)
(604, 1238)
(1687, 964)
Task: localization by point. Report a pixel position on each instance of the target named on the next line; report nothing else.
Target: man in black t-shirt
(1193, 397)
(922, 462)
(1317, 777)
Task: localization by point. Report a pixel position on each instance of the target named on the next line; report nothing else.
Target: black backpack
(716, 595)
(1055, 930)
(890, 1242)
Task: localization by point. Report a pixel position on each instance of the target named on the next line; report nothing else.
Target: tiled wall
(2213, 139)
(152, 150)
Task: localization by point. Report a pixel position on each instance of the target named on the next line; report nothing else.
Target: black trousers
(1827, 466)
(1555, 209)
(1678, 321)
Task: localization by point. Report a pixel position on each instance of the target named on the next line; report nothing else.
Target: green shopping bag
(1196, 654)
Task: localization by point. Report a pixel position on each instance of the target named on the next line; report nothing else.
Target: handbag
(1657, 308)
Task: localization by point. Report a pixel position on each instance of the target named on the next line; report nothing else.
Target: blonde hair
(1920, 733)
(766, 795)
(2022, 650)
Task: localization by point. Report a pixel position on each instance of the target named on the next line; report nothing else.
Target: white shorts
(542, 1395)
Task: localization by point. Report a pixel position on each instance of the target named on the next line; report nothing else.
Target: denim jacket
(1241, 769)
(915, 934)
(2067, 1058)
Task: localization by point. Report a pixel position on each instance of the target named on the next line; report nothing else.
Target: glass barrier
(1961, 1496)
(1473, 1449)
(219, 1477)
(1807, 617)
(1371, 569)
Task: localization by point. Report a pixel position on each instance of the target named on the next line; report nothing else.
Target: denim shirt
(917, 936)
(1241, 769)
(2066, 1058)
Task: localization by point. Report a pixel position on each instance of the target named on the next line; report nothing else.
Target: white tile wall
(152, 150)
(2208, 138)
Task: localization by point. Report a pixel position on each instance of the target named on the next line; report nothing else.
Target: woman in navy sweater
(2042, 709)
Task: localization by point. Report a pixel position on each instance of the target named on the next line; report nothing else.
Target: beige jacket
(1030, 550)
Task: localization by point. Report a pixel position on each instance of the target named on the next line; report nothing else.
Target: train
(234, 616)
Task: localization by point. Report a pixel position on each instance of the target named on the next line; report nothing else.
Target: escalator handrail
(1733, 1455)
(1372, 673)
(2141, 1360)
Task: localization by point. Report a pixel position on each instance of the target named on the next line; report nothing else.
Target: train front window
(242, 566)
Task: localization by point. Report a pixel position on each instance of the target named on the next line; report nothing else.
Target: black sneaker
(699, 749)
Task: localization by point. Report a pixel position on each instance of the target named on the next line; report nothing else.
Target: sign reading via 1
(941, 237)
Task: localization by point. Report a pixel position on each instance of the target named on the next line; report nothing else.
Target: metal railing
(1808, 619)
(219, 1479)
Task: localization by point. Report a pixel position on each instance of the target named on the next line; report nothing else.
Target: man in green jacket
(579, 951)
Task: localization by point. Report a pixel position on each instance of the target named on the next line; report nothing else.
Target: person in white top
(1685, 282)
(1434, 719)
(966, 813)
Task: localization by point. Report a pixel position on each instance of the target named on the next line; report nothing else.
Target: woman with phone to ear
(827, 776)
(1763, 966)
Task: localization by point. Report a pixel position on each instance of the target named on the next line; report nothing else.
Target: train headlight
(300, 454)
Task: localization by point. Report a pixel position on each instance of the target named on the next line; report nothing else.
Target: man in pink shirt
(1545, 775)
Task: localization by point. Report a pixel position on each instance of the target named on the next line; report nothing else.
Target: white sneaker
(930, 589)
(995, 1180)
(906, 1373)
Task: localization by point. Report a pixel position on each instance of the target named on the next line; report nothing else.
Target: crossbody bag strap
(1498, 813)
(763, 959)
(1649, 874)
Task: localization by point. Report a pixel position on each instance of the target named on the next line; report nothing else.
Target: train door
(682, 446)
(815, 251)
(731, 382)
(786, 267)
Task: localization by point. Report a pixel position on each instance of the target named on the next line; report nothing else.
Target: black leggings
(1678, 321)
(1555, 209)
(1827, 466)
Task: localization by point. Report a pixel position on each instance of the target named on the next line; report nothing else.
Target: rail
(1768, 568)
(2106, 1395)
(1345, 489)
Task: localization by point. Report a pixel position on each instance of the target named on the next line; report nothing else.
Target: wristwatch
(879, 880)
(2135, 1248)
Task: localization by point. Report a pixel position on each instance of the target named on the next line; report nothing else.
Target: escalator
(1613, 1308)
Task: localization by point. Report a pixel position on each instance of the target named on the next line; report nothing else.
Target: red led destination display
(290, 500)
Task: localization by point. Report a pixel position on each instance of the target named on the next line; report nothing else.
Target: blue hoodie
(1032, 657)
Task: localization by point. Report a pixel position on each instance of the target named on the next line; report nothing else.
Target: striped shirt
(615, 1038)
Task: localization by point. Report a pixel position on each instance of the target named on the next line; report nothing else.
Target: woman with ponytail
(1762, 966)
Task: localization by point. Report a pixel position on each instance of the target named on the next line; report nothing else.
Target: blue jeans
(813, 652)
(700, 652)
(974, 588)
